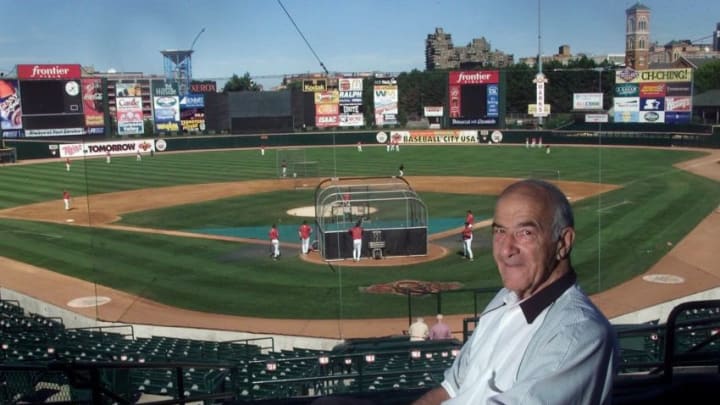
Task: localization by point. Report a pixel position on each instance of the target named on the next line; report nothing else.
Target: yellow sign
(532, 110)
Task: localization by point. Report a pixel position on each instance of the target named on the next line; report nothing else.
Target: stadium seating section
(44, 361)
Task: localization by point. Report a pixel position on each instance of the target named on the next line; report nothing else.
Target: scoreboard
(51, 99)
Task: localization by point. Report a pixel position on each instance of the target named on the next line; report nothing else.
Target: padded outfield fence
(394, 218)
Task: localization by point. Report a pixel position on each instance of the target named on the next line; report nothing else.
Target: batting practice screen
(393, 217)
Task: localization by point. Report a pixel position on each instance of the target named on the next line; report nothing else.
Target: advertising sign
(652, 89)
(93, 105)
(351, 102)
(314, 85)
(192, 112)
(587, 101)
(627, 90)
(675, 104)
(166, 110)
(129, 115)
(433, 111)
(128, 90)
(163, 88)
(79, 150)
(10, 109)
(435, 136)
(664, 96)
(653, 117)
(207, 86)
(385, 100)
(628, 75)
(596, 118)
(58, 71)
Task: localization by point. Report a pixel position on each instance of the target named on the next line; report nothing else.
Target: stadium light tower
(178, 65)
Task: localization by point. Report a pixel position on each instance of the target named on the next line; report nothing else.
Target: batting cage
(393, 217)
(292, 163)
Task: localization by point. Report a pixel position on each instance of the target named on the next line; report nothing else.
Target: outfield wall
(601, 135)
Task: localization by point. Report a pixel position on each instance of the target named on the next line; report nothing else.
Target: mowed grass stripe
(226, 277)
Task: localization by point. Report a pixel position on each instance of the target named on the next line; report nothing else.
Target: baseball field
(189, 230)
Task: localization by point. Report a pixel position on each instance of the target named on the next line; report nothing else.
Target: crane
(196, 38)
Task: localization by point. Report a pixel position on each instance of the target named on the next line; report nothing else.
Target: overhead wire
(303, 37)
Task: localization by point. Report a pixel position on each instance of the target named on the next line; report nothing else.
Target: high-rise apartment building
(441, 54)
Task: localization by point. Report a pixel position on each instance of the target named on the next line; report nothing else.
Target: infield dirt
(694, 259)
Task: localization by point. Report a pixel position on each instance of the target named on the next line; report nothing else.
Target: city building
(641, 53)
(440, 53)
(637, 36)
(113, 78)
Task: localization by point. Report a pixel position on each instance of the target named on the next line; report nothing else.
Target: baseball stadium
(176, 244)
(151, 248)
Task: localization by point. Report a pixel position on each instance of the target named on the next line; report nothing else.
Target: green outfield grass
(620, 234)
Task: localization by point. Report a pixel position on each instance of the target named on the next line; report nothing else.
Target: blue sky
(256, 36)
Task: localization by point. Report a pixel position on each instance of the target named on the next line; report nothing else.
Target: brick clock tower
(637, 36)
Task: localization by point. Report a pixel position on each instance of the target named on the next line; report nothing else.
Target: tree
(244, 83)
(707, 77)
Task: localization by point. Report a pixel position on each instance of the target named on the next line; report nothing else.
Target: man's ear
(565, 243)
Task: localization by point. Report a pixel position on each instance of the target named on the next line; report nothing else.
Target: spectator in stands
(540, 340)
(440, 330)
(418, 330)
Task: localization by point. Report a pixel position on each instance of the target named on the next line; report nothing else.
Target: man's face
(523, 242)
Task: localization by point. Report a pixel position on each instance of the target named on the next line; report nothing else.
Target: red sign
(93, 102)
(48, 71)
(324, 121)
(474, 77)
(203, 87)
(652, 89)
(454, 101)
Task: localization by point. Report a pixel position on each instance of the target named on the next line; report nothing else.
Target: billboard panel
(587, 101)
(659, 92)
(10, 108)
(385, 101)
(350, 102)
(129, 115)
(474, 97)
(93, 105)
(192, 112)
(57, 71)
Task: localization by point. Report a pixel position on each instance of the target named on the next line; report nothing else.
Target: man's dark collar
(533, 306)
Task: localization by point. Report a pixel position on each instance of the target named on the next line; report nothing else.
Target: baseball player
(304, 233)
(283, 165)
(274, 235)
(401, 170)
(262, 150)
(107, 157)
(66, 200)
(469, 218)
(356, 233)
(467, 237)
(359, 146)
(67, 164)
(138, 155)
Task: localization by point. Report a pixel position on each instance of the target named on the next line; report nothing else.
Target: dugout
(394, 218)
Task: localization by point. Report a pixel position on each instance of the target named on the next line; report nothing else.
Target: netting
(289, 160)
(377, 202)
(393, 217)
